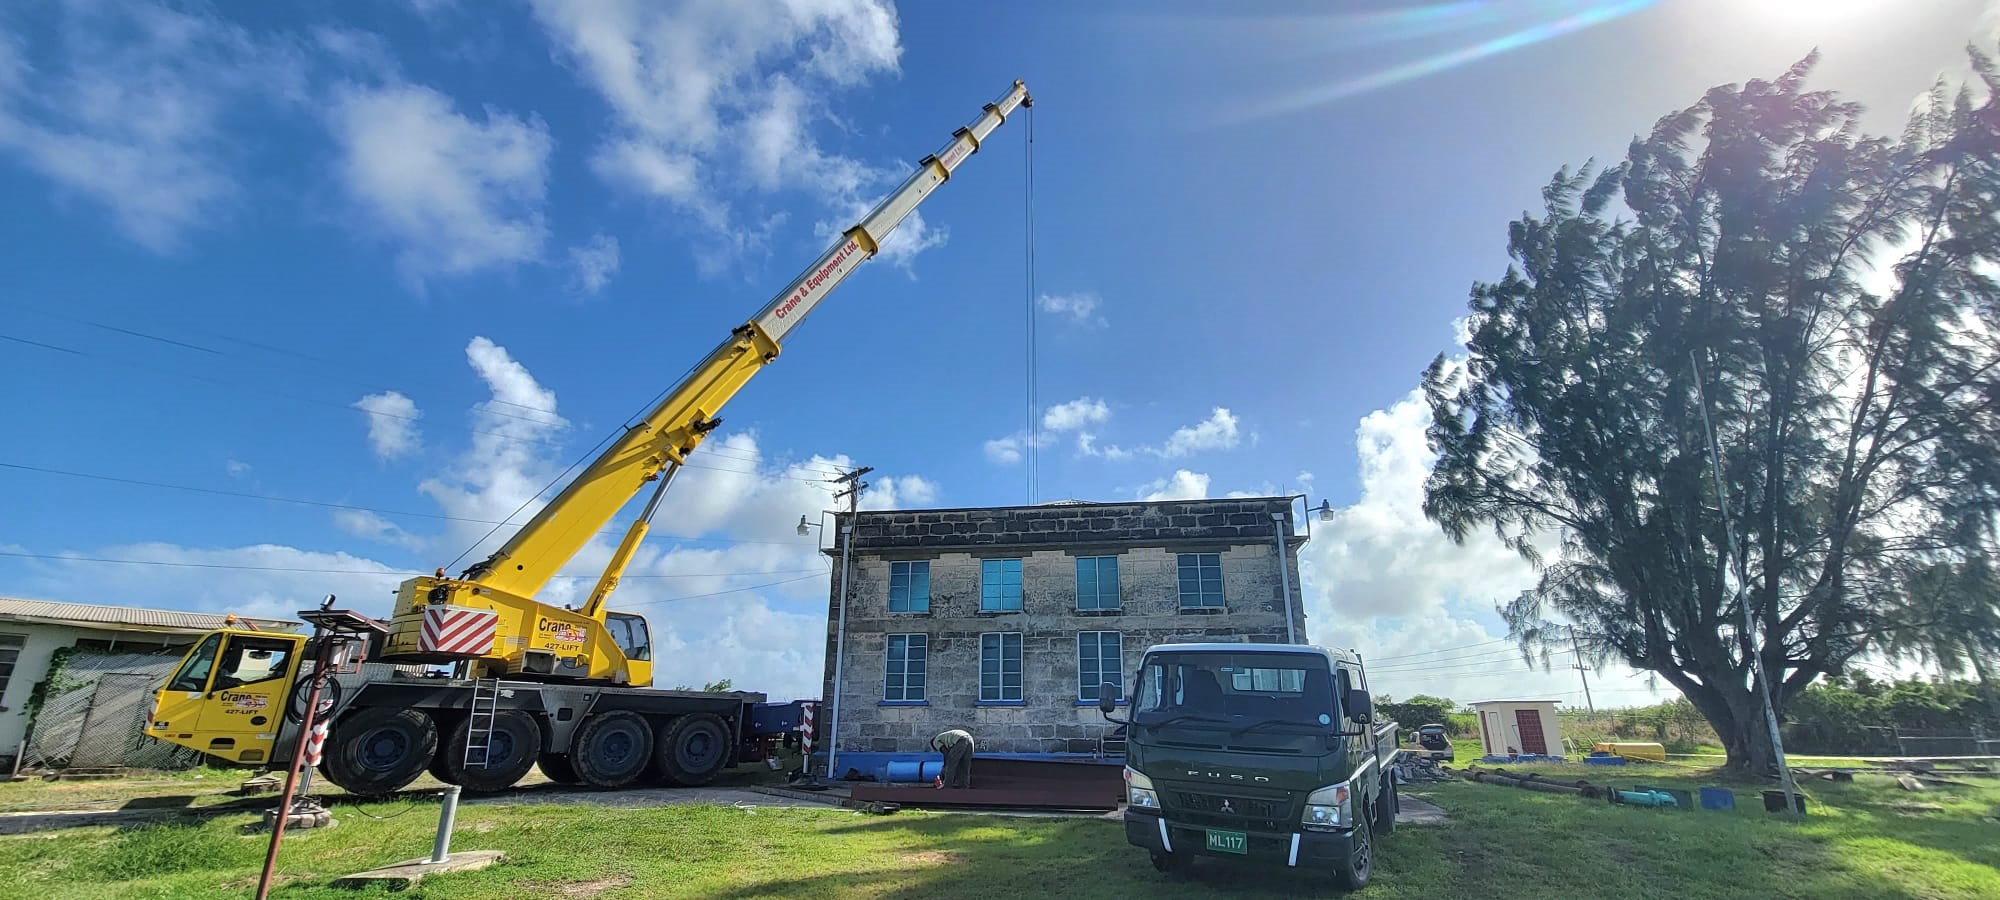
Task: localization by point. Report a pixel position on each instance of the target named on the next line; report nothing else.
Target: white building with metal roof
(33, 631)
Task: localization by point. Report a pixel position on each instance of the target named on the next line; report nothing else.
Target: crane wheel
(557, 767)
(511, 750)
(377, 750)
(611, 749)
(693, 749)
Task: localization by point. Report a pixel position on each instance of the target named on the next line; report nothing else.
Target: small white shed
(1518, 727)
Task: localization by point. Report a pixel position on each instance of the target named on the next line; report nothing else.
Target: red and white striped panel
(458, 629)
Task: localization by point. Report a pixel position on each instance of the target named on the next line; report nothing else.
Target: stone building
(1004, 621)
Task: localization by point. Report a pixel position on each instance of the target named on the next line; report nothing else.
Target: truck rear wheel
(377, 750)
(692, 749)
(557, 767)
(611, 749)
(511, 750)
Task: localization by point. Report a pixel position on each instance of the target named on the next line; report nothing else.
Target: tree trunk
(1737, 715)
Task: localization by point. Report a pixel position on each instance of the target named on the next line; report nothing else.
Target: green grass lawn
(1866, 839)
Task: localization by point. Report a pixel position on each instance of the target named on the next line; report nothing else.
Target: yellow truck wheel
(511, 751)
(612, 749)
(693, 749)
(377, 750)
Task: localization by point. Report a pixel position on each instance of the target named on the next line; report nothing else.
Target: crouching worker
(956, 745)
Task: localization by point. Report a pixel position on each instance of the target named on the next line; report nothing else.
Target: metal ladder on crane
(479, 726)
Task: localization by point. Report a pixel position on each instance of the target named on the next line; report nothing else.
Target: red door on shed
(1529, 722)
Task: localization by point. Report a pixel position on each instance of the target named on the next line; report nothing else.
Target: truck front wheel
(377, 750)
(511, 750)
(612, 749)
(693, 749)
(1352, 870)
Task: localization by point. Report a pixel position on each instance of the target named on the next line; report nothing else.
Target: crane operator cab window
(250, 660)
(630, 634)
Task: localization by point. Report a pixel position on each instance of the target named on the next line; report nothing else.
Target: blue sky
(406, 259)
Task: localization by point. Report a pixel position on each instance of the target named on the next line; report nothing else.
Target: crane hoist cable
(1032, 434)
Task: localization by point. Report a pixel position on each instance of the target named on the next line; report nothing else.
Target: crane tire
(515, 744)
(376, 750)
(558, 769)
(692, 749)
(611, 749)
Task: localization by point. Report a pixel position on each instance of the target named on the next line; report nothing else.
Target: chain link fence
(94, 716)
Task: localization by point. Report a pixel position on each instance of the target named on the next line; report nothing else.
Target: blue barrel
(915, 770)
(1717, 798)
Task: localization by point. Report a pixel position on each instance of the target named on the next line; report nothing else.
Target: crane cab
(227, 698)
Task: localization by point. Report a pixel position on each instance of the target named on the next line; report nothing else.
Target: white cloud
(715, 107)
(392, 423)
(1382, 578)
(236, 468)
(1004, 451)
(1080, 307)
(364, 524)
(899, 493)
(1076, 414)
(262, 580)
(1217, 432)
(594, 262)
(1182, 485)
(457, 194)
(133, 108)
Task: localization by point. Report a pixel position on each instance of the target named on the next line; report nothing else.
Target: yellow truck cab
(231, 690)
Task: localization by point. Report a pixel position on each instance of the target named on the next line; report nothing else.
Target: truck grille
(1264, 814)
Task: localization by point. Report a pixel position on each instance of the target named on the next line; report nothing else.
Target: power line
(319, 371)
(53, 557)
(1439, 651)
(1425, 663)
(323, 504)
(348, 407)
(754, 587)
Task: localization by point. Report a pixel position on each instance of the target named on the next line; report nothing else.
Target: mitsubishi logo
(1226, 808)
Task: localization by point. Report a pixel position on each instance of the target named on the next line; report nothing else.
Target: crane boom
(652, 450)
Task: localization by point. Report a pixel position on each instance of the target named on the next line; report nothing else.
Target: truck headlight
(1139, 791)
(1329, 807)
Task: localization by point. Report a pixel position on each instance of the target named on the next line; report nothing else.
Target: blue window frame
(908, 655)
(1097, 582)
(1000, 585)
(1100, 657)
(910, 587)
(1201, 580)
(1000, 667)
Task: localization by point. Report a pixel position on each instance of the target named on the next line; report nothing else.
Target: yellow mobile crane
(534, 681)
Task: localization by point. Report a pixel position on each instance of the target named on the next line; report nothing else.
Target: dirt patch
(935, 857)
(592, 888)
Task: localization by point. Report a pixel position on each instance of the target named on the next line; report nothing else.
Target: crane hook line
(1033, 433)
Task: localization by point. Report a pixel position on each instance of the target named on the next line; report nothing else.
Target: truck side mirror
(1359, 707)
(1107, 698)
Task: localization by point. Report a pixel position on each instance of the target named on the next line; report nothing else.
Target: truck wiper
(1256, 725)
(1176, 718)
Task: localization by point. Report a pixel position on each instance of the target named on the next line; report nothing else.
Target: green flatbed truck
(1263, 752)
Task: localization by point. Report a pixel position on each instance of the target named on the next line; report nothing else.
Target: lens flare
(1560, 18)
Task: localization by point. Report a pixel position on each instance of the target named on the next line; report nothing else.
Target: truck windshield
(1238, 689)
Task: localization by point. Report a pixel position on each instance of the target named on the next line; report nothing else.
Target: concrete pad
(404, 874)
(1412, 811)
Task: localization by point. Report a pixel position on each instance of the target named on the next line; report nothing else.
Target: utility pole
(853, 494)
(1582, 671)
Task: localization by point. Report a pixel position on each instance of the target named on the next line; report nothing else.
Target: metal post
(1284, 574)
(1757, 672)
(839, 652)
(326, 641)
(442, 847)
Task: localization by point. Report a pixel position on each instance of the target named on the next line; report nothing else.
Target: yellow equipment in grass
(1632, 750)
